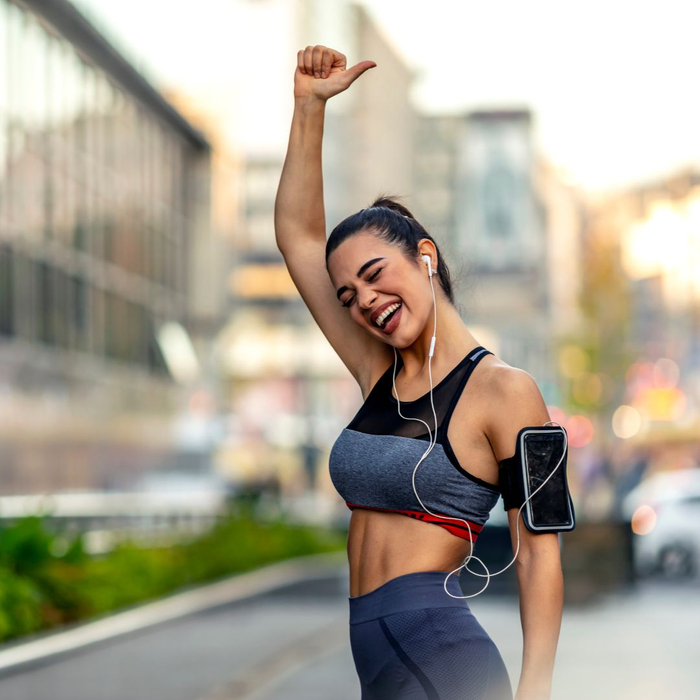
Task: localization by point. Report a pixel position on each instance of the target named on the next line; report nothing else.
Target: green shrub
(21, 605)
(47, 579)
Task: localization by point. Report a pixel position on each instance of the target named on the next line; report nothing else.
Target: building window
(6, 291)
(79, 312)
(45, 314)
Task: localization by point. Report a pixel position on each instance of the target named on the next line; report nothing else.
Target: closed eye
(371, 278)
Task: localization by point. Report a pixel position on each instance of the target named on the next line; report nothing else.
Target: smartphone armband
(538, 450)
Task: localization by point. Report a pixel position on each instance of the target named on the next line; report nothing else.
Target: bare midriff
(382, 546)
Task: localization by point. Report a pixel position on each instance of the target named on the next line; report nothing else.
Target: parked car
(671, 547)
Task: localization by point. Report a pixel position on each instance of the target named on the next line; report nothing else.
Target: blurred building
(643, 297)
(272, 350)
(512, 232)
(368, 130)
(106, 259)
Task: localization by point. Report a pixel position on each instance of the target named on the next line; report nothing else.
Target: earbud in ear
(426, 259)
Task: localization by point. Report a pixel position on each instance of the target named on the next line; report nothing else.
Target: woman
(370, 289)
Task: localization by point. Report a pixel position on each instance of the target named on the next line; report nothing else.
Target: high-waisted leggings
(411, 641)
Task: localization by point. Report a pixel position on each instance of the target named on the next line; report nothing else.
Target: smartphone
(551, 508)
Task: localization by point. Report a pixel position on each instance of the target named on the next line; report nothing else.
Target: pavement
(290, 641)
(642, 644)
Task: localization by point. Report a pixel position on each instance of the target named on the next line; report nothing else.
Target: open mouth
(385, 317)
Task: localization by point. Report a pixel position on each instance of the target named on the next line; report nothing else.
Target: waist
(382, 545)
(415, 591)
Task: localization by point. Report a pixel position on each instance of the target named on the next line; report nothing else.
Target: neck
(452, 342)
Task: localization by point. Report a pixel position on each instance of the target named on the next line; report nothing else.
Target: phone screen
(550, 505)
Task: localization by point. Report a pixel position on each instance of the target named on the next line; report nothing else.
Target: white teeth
(382, 317)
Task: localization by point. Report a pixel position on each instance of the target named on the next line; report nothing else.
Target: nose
(366, 298)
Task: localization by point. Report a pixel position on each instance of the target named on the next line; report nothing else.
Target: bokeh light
(573, 361)
(580, 431)
(661, 404)
(667, 373)
(587, 388)
(643, 520)
(626, 421)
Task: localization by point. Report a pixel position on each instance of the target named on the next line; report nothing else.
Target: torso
(382, 546)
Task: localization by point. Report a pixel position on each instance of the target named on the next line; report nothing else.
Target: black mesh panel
(379, 415)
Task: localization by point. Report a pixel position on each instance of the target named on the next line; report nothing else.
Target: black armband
(538, 451)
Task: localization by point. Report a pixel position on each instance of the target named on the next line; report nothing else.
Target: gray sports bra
(372, 461)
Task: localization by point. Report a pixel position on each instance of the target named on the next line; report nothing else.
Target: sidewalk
(280, 633)
(45, 646)
(642, 645)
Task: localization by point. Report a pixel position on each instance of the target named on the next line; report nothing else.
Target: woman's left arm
(541, 585)
(516, 402)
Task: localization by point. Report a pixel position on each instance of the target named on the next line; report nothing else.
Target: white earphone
(428, 261)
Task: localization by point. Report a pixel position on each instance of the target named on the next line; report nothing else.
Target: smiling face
(386, 278)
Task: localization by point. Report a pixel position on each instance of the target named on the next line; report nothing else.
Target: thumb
(353, 73)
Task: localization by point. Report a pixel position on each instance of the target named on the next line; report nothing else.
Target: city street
(292, 644)
(221, 221)
(640, 646)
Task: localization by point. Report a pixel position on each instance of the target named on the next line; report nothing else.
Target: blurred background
(167, 402)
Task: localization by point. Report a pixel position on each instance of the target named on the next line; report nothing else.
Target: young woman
(370, 289)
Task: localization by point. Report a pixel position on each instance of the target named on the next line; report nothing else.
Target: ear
(427, 247)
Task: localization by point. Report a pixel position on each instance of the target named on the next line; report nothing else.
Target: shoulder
(512, 385)
(511, 400)
(501, 381)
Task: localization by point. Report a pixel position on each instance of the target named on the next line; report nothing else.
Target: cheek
(406, 286)
(356, 316)
(417, 303)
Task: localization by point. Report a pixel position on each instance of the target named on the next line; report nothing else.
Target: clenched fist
(321, 72)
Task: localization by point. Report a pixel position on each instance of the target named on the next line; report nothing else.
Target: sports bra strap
(476, 356)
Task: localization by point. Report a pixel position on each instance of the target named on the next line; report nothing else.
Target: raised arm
(299, 210)
(300, 227)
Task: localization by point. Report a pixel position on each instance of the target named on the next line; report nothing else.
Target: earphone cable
(432, 443)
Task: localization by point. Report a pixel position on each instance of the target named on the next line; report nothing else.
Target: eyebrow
(359, 274)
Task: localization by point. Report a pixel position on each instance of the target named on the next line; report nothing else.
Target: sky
(610, 82)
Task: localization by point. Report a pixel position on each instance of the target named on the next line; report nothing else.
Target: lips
(392, 324)
(377, 313)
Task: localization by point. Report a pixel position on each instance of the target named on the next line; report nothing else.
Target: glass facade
(103, 205)
(94, 209)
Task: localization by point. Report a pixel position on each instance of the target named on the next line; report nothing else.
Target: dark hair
(391, 222)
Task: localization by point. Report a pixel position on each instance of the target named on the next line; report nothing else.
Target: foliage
(47, 579)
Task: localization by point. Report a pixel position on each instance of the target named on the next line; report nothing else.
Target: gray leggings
(412, 641)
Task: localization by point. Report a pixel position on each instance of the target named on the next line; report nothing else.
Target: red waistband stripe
(454, 526)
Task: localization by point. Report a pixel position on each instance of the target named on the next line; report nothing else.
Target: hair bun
(389, 202)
